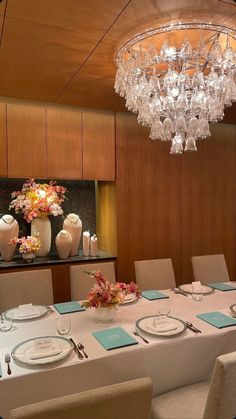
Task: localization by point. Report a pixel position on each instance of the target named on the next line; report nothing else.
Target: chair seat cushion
(184, 403)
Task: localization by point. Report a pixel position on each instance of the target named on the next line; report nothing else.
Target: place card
(114, 338)
(221, 287)
(217, 319)
(43, 344)
(153, 295)
(68, 307)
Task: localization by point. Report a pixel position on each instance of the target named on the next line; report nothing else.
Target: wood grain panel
(208, 199)
(106, 216)
(98, 145)
(148, 199)
(3, 142)
(64, 144)
(26, 136)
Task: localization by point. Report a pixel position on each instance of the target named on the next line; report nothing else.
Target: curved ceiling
(63, 51)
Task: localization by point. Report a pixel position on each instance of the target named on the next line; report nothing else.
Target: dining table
(171, 361)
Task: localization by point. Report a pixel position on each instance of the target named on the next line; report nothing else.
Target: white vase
(28, 257)
(105, 314)
(9, 228)
(73, 225)
(42, 228)
(63, 244)
(93, 245)
(86, 243)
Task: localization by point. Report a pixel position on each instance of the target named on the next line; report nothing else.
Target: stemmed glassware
(6, 325)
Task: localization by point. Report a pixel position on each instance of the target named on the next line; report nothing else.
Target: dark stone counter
(19, 262)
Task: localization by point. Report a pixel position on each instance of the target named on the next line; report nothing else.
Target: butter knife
(77, 351)
(178, 291)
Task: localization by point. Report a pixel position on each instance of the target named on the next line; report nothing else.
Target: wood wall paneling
(106, 216)
(26, 136)
(148, 198)
(208, 200)
(64, 144)
(3, 141)
(98, 145)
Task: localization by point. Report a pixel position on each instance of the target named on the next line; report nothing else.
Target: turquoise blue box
(222, 287)
(153, 295)
(217, 319)
(69, 307)
(114, 338)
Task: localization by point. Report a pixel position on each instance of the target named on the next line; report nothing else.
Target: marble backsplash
(80, 200)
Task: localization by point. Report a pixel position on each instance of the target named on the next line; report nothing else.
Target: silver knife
(178, 291)
(77, 351)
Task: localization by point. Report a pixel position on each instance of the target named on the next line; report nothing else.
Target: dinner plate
(25, 353)
(15, 314)
(129, 298)
(233, 309)
(149, 326)
(188, 288)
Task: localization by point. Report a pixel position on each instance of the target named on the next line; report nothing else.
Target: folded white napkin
(45, 354)
(129, 297)
(27, 310)
(196, 286)
(162, 327)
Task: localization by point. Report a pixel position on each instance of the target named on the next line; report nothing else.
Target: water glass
(164, 310)
(6, 325)
(64, 326)
(197, 295)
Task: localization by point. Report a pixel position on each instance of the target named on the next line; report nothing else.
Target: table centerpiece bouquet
(104, 296)
(130, 290)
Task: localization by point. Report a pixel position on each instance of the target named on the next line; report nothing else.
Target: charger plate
(15, 315)
(145, 325)
(233, 309)
(188, 288)
(130, 298)
(24, 350)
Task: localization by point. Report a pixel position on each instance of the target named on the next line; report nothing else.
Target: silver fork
(8, 360)
(81, 348)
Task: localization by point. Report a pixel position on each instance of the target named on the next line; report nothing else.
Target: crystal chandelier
(178, 78)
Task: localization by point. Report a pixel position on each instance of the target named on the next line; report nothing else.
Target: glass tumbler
(64, 326)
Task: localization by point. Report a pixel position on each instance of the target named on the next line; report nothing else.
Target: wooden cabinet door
(64, 145)
(98, 145)
(26, 137)
(3, 141)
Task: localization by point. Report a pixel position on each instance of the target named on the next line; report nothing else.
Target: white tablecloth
(170, 362)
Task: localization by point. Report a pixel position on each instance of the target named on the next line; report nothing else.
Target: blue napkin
(114, 338)
(221, 287)
(153, 295)
(70, 307)
(217, 319)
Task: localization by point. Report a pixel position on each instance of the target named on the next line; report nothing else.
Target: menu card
(217, 319)
(114, 338)
(153, 295)
(69, 307)
(222, 287)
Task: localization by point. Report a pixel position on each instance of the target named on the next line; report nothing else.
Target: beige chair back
(25, 287)
(210, 268)
(221, 400)
(154, 274)
(127, 400)
(81, 283)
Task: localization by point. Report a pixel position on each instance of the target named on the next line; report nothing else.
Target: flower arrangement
(38, 199)
(27, 244)
(103, 293)
(131, 288)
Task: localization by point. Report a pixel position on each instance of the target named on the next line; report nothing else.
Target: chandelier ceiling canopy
(178, 78)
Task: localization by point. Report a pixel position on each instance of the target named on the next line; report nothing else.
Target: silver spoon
(8, 360)
(81, 347)
(137, 334)
(193, 328)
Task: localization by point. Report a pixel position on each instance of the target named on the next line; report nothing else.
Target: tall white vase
(42, 227)
(63, 244)
(9, 228)
(73, 225)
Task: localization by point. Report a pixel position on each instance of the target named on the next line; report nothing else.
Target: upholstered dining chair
(214, 400)
(154, 274)
(210, 268)
(31, 286)
(127, 400)
(80, 282)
